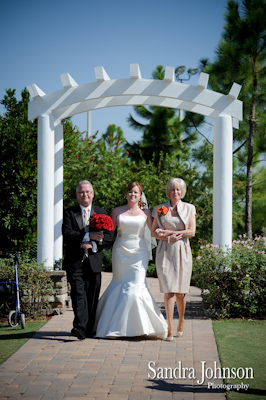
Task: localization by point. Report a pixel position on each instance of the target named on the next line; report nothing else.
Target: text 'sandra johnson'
(214, 372)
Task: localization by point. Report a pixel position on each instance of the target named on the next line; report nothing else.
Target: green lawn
(11, 339)
(243, 344)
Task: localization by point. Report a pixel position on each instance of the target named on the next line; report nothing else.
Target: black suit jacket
(73, 233)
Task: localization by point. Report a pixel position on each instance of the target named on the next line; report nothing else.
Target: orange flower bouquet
(162, 211)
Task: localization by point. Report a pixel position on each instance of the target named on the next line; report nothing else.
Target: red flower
(102, 222)
(91, 159)
(162, 211)
(127, 152)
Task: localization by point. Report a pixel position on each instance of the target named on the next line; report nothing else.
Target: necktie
(86, 219)
(86, 226)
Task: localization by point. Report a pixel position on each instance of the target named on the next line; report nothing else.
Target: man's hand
(96, 236)
(86, 245)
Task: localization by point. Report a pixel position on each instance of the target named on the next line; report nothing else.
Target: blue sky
(42, 39)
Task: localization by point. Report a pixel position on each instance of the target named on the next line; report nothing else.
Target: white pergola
(73, 99)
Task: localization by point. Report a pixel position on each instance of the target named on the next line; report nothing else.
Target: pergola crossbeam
(100, 74)
(169, 74)
(135, 71)
(35, 91)
(203, 80)
(235, 90)
(67, 81)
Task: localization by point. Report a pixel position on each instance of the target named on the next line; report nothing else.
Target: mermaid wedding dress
(127, 308)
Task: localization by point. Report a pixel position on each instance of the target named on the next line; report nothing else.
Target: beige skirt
(174, 266)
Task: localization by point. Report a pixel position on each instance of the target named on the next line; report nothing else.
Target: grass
(11, 339)
(243, 344)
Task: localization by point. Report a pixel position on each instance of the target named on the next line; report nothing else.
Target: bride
(127, 308)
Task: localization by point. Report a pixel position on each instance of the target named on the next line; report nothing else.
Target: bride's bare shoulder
(118, 210)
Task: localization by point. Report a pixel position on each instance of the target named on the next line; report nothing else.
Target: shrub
(107, 260)
(233, 283)
(151, 271)
(35, 287)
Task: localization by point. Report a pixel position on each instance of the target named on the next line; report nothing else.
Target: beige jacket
(184, 211)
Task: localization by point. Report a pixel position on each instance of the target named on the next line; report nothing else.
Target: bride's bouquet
(102, 222)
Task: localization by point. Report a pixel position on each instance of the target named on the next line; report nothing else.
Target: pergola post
(45, 199)
(58, 191)
(222, 181)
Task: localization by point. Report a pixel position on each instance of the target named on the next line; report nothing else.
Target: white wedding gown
(127, 308)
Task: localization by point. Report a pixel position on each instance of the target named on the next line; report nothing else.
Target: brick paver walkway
(53, 365)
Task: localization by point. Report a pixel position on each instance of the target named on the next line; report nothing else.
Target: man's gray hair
(84, 182)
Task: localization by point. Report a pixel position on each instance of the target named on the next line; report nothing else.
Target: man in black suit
(83, 259)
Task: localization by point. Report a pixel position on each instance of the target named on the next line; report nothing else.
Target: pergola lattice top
(106, 92)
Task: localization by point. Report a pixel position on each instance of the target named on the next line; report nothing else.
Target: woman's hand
(162, 232)
(175, 237)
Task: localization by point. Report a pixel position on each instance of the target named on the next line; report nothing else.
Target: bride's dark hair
(130, 187)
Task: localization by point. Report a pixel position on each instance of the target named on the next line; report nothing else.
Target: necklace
(132, 210)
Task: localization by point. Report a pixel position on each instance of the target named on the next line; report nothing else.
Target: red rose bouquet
(162, 211)
(102, 222)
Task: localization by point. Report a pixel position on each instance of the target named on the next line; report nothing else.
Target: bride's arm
(114, 215)
(156, 232)
(149, 218)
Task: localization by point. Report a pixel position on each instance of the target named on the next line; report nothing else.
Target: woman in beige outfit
(174, 222)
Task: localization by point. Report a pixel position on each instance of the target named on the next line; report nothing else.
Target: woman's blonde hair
(174, 182)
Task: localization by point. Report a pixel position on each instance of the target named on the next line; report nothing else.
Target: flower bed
(233, 283)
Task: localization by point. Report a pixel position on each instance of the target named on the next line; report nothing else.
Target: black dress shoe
(90, 334)
(75, 332)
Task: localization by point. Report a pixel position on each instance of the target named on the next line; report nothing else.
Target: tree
(18, 165)
(113, 138)
(74, 156)
(259, 202)
(162, 133)
(241, 58)
(102, 161)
